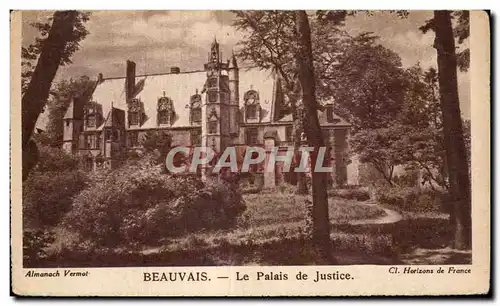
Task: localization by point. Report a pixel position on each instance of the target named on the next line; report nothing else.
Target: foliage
(49, 189)
(158, 143)
(366, 80)
(461, 33)
(30, 53)
(139, 204)
(63, 93)
(351, 194)
(35, 244)
(411, 199)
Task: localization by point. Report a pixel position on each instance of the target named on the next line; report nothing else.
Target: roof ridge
(182, 72)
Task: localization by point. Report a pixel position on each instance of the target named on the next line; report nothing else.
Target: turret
(234, 96)
(72, 125)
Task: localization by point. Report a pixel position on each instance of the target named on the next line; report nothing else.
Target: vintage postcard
(250, 153)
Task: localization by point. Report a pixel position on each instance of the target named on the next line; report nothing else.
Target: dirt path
(391, 216)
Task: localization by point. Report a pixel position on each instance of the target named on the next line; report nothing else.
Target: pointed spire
(233, 63)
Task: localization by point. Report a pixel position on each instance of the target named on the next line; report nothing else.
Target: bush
(50, 187)
(350, 194)
(48, 196)
(35, 243)
(412, 199)
(137, 204)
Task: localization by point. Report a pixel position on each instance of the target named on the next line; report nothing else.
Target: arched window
(252, 105)
(134, 112)
(195, 109)
(165, 111)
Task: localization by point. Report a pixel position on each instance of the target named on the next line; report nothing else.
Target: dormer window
(251, 111)
(91, 115)
(252, 105)
(195, 109)
(134, 112)
(165, 111)
(91, 120)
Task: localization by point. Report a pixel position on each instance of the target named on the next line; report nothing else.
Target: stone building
(222, 105)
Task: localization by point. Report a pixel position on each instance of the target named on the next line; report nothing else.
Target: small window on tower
(67, 122)
(212, 127)
(212, 82)
(212, 96)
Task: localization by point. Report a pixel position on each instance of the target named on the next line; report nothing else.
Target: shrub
(35, 243)
(412, 199)
(350, 194)
(138, 204)
(50, 187)
(48, 196)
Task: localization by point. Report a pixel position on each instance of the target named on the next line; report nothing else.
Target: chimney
(100, 78)
(175, 70)
(130, 80)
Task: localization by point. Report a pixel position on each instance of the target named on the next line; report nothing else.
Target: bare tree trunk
(33, 101)
(321, 223)
(458, 167)
(297, 139)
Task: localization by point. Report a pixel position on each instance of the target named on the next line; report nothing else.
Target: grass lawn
(271, 208)
(271, 217)
(270, 232)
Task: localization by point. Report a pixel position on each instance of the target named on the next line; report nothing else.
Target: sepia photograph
(245, 139)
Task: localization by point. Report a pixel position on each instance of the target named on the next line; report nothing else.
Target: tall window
(196, 109)
(91, 141)
(196, 137)
(213, 122)
(133, 139)
(252, 105)
(133, 118)
(165, 110)
(252, 136)
(134, 112)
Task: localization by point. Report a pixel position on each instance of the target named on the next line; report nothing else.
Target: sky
(158, 40)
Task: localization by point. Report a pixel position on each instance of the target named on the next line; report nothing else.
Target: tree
(312, 129)
(367, 83)
(59, 41)
(458, 167)
(269, 45)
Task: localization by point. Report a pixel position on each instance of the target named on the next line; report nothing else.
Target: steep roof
(179, 87)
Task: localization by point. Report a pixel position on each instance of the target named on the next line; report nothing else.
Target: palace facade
(219, 106)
